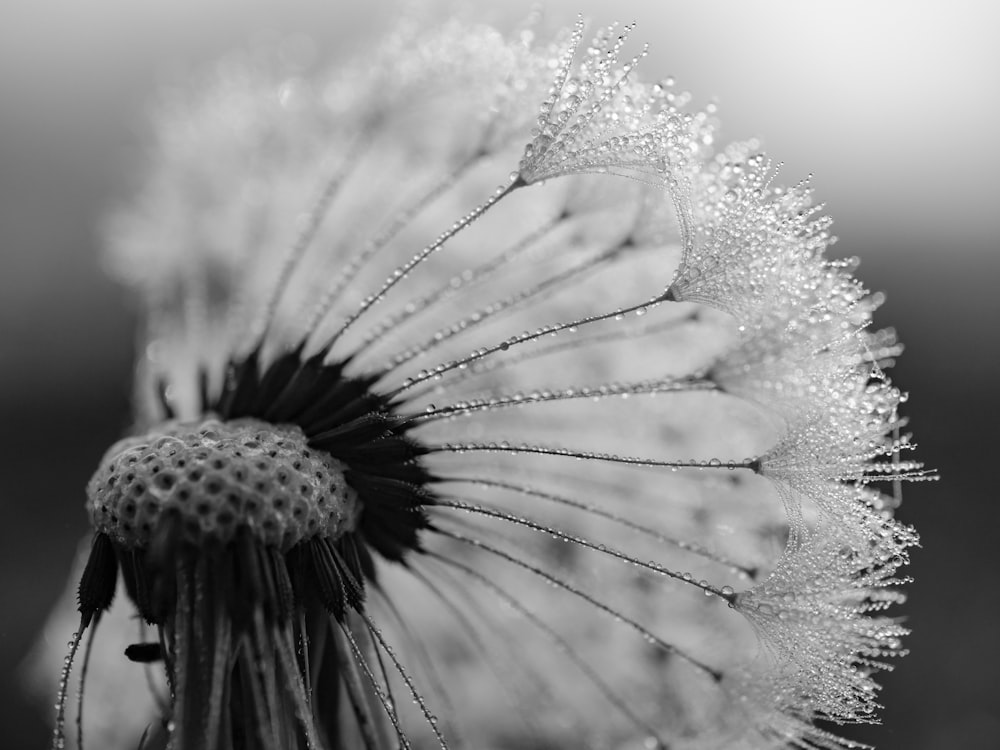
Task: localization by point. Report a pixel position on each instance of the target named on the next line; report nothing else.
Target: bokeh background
(892, 105)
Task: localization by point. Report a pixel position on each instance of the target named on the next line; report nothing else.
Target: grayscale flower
(481, 403)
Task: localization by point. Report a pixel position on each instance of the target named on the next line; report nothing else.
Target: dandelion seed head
(475, 362)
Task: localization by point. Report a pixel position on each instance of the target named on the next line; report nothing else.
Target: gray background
(891, 105)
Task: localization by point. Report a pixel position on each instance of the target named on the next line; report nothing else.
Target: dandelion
(480, 403)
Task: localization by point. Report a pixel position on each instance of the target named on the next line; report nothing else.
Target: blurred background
(892, 106)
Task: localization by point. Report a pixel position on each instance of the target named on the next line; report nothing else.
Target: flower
(481, 402)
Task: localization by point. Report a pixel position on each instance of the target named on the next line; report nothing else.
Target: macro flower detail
(481, 403)
(755, 249)
(600, 120)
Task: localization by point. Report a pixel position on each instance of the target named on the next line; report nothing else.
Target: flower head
(433, 448)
